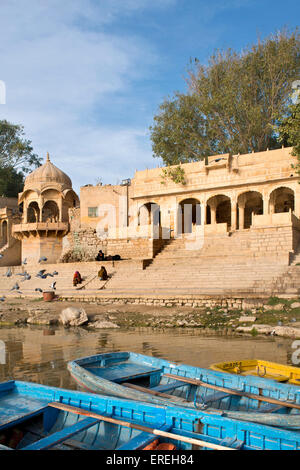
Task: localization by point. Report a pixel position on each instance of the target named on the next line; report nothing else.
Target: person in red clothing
(77, 278)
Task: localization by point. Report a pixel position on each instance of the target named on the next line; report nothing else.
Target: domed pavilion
(46, 198)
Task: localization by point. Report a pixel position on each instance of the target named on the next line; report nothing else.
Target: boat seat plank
(170, 386)
(210, 398)
(122, 372)
(16, 408)
(61, 436)
(270, 408)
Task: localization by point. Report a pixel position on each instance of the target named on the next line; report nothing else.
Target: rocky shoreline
(278, 317)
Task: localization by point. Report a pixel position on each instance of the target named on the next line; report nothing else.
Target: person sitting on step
(77, 278)
(102, 274)
(100, 256)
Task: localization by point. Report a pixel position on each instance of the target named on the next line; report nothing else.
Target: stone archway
(33, 212)
(50, 212)
(4, 233)
(282, 200)
(189, 215)
(249, 203)
(149, 214)
(218, 210)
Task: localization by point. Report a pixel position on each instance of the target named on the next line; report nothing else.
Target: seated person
(77, 278)
(102, 274)
(100, 256)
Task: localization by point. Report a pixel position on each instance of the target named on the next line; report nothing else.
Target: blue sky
(85, 77)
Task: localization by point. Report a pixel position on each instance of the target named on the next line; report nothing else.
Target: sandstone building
(230, 208)
(230, 226)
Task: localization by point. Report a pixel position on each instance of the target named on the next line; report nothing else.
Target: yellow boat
(266, 369)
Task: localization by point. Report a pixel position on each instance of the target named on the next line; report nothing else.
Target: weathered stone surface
(274, 307)
(103, 324)
(286, 331)
(295, 305)
(246, 319)
(263, 329)
(72, 316)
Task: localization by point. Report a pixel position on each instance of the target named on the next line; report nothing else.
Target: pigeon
(25, 261)
(15, 287)
(9, 273)
(53, 285)
(27, 277)
(1, 256)
(2, 298)
(55, 273)
(42, 258)
(37, 289)
(41, 273)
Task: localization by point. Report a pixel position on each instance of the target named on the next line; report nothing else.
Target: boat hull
(265, 369)
(117, 374)
(65, 419)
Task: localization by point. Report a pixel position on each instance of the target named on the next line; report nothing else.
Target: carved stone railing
(38, 227)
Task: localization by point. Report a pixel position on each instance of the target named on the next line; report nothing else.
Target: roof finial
(48, 158)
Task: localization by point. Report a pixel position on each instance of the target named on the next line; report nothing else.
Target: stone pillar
(233, 213)
(60, 208)
(25, 210)
(297, 202)
(265, 203)
(272, 204)
(203, 213)
(213, 212)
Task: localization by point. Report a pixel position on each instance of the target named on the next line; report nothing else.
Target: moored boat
(260, 368)
(146, 378)
(38, 417)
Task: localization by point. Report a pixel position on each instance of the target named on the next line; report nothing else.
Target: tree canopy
(16, 158)
(232, 104)
(289, 131)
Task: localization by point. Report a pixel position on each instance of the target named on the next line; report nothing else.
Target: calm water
(40, 355)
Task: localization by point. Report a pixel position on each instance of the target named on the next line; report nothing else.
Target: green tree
(16, 151)
(289, 131)
(232, 103)
(11, 182)
(16, 158)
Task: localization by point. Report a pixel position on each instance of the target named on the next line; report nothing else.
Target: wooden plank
(169, 386)
(234, 392)
(154, 392)
(157, 432)
(61, 436)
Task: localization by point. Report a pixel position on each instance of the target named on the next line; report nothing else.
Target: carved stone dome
(47, 173)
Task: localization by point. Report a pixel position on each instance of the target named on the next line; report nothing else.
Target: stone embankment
(273, 316)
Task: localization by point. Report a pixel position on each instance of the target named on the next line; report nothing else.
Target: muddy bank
(279, 317)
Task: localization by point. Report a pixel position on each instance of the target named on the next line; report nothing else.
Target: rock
(286, 331)
(274, 307)
(263, 329)
(295, 305)
(103, 324)
(246, 319)
(72, 316)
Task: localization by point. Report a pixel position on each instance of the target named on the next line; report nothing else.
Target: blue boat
(38, 417)
(154, 380)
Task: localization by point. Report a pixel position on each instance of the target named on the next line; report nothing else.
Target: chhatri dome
(47, 173)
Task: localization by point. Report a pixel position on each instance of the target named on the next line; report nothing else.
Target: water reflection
(40, 355)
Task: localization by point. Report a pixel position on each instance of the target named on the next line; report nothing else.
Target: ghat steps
(224, 265)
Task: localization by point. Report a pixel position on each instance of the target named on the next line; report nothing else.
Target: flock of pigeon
(42, 274)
